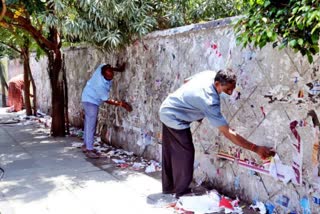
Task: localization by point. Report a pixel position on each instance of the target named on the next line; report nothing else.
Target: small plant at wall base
(284, 23)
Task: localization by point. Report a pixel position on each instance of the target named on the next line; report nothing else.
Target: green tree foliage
(182, 12)
(112, 23)
(115, 23)
(109, 24)
(5, 51)
(293, 23)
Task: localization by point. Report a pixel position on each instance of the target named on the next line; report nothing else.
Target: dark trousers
(177, 160)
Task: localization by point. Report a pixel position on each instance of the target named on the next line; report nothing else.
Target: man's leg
(178, 153)
(182, 161)
(90, 122)
(167, 176)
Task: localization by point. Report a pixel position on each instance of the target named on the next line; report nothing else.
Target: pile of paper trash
(122, 158)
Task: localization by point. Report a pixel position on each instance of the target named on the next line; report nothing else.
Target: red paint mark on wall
(214, 46)
(262, 110)
(293, 126)
(296, 172)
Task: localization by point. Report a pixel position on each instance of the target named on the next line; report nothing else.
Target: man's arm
(262, 151)
(119, 68)
(122, 104)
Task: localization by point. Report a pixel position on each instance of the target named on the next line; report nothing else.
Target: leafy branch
(285, 23)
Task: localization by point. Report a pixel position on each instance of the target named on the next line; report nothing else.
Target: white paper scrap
(199, 204)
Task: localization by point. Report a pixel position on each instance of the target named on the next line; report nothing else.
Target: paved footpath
(47, 175)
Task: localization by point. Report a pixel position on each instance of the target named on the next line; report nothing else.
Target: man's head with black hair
(107, 72)
(225, 81)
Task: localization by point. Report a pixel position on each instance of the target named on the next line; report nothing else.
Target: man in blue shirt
(97, 91)
(199, 97)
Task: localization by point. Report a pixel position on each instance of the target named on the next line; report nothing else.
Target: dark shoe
(84, 150)
(168, 192)
(91, 154)
(199, 190)
(186, 192)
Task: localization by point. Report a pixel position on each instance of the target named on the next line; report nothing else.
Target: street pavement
(47, 175)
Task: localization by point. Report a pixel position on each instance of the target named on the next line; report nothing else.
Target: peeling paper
(270, 207)
(153, 167)
(200, 204)
(283, 201)
(150, 168)
(305, 205)
(260, 206)
(316, 199)
(145, 138)
(76, 144)
(226, 204)
(315, 90)
(137, 166)
(118, 161)
(281, 171)
(211, 202)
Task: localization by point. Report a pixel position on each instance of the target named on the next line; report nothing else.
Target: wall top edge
(173, 31)
(193, 27)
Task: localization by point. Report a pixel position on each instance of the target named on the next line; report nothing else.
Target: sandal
(84, 149)
(91, 154)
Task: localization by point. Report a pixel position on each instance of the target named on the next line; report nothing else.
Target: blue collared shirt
(193, 101)
(97, 89)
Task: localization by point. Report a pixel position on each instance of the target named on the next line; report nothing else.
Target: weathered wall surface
(275, 92)
(15, 68)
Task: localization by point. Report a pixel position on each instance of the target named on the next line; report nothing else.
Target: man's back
(97, 88)
(194, 100)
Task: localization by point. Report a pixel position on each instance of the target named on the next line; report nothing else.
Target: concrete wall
(15, 68)
(275, 92)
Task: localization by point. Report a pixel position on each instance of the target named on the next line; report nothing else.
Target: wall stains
(262, 110)
(293, 126)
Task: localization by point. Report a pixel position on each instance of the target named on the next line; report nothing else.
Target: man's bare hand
(265, 152)
(122, 67)
(126, 106)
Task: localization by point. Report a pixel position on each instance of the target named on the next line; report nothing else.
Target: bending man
(199, 97)
(97, 91)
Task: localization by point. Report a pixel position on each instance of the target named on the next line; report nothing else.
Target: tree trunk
(26, 89)
(56, 79)
(27, 78)
(34, 93)
(26, 71)
(4, 101)
(4, 85)
(65, 87)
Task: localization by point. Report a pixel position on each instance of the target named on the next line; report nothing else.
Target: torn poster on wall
(273, 166)
(145, 138)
